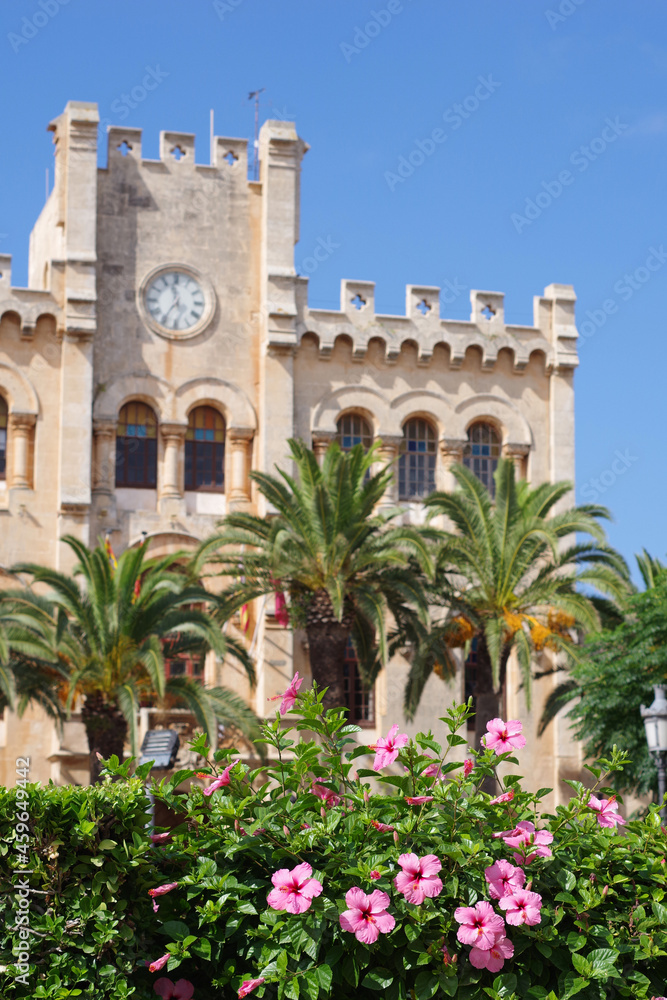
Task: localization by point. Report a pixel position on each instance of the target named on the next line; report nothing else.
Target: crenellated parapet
(177, 152)
(25, 307)
(553, 332)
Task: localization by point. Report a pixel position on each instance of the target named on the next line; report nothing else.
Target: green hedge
(89, 866)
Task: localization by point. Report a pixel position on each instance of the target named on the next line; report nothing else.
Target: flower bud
(366, 796)
(323, 812)
(286, 831)
(396, 837)
(605, 891)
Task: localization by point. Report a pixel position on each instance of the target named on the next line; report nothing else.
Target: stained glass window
(353, 429)
(205, 450)
(481, 454)
(3, 438)
(136, 446)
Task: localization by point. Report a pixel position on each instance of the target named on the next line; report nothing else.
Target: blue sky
(571, 85)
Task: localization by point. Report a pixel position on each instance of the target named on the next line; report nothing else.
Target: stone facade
(81, 343)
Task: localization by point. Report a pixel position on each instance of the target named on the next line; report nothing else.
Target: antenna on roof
(254, 94)
(212, 134)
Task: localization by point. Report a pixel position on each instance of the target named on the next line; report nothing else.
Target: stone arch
(156, 392)
(236, 408)
(509, 420)
(423, 403)
(362, 399)
(162, 543)
(18, 390)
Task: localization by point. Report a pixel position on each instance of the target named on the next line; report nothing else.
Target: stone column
(518, 453)
(321, 442)
(20, 428)
(104, 466)
(240, 441)
(174, 436)
(388, 454)
(451, 451)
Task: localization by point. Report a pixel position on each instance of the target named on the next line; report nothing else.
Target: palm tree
(346, 568)
(509, 577)
(622, 624)
(107, 629)
(26, 676)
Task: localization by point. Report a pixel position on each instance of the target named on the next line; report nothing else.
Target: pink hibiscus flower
(328, 797)
(418, 800)
(222, 779)
(522, 907)
(382, 827)
(375, 875)
(366, 916)
(289, 697)
(480, 926)
(468, 765)
(418, 880)
(162, 889)
(504, 879)
(607, 810)
(180, 990)
(386, 751)
(503, 736)
(294, 890)
(160, 838)
(529, 842)
(433, 770)
(159, 963)
(248, 985)
(500, 799)
(492, 958)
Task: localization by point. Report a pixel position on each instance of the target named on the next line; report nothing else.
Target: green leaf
(107, 845)
(573, 985)
(602, 962)
(379, 979)
(426, 985)
(582, 965)
(660, 911)
(175, 929)
(505, 985)
(202, 947)
(567, 880)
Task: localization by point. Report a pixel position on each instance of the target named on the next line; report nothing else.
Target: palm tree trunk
(106, 730)
(327, 640)
(486, 697)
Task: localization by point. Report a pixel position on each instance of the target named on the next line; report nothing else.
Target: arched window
(3, 438)
(353, 429)
(136, 446)
(481, 454)
(416, 464)
(205, 450)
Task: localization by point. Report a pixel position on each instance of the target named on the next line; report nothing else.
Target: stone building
(165, 346)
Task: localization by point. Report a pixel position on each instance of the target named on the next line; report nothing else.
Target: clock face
(175, 301)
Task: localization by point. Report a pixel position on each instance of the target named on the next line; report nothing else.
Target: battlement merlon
(553, 333)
